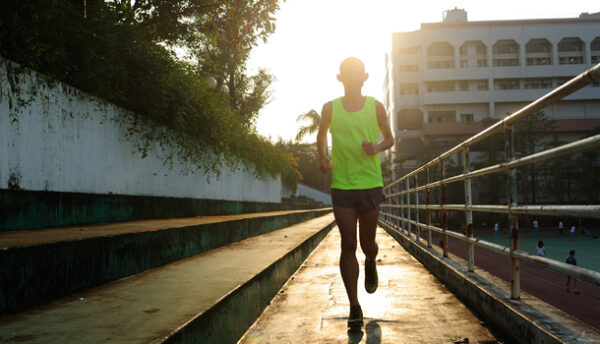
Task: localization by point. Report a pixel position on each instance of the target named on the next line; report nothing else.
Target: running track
(545, 285)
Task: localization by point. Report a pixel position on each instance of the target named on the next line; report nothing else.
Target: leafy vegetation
(152, 57)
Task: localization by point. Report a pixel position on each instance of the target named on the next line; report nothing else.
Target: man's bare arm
(384, 126)
(324, 161)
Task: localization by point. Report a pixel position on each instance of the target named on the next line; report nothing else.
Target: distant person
(355, 122)
(571, 260)
(463, 229)
(536, 226)
(541, 250)
(587, 231)
(561, 226)
(572, 233)
(496, 229)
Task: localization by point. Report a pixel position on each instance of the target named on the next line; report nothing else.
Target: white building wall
(315, 194)
(65, 140)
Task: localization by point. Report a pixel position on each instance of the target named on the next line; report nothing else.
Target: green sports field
(557, 247)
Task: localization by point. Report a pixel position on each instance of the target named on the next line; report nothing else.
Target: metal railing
(399, 192)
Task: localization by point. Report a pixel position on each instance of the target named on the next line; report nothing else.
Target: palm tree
(313, 119)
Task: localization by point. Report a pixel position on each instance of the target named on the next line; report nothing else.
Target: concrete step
(409, 306)
(212, 297)
(38, 266)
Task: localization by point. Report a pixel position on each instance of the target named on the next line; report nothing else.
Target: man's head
(352, 73)
(572, 253)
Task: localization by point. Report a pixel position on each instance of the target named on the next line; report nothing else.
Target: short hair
(572, 252)
(352, 64)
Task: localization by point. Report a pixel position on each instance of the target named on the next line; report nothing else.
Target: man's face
(353, 78)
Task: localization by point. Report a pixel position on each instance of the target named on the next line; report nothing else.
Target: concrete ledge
(528, 320)
(20, 209)
(229, 318)
(36, 274)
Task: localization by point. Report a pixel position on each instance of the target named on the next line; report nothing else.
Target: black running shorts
(362, 200)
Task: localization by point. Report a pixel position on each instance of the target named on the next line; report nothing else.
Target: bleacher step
(212, 297)
(38, 266)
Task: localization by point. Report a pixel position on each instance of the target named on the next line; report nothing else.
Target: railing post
(513, 220)
(402, 226)
(428, 212)
(468, 212)
(418, 229)
(444, 211)
(409, 231)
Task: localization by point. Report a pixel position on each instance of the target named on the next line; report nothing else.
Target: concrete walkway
(410, 306)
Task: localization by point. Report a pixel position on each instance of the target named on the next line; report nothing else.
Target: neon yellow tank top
(352, 168)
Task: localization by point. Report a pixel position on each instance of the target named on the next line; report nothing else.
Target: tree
(308, 164)
(314, 121)
(228, 35)
(530, 133)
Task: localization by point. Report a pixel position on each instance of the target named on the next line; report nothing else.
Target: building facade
(449, 79)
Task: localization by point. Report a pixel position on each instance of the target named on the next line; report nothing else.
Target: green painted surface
(42, 209)
(150, 306)
(37, 274)
(558, 246)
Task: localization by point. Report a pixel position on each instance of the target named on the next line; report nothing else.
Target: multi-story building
(448, 79)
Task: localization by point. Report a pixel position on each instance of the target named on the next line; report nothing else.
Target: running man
(355, 122)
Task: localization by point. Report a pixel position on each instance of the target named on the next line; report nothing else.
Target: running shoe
(355, 319)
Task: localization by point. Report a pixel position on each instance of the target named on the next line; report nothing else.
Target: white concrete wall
(315, 194)
(62, 139)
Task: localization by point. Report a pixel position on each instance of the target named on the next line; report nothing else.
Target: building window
(442, 116)
(408, 68)
(506, 62)
(560, 81)
(506, 84)
(505, 53)
(482, 85)
(409, 89)
(570, 60)
(410, 119)
(571, 51)
(466, 117)
(463, 85)
(595, 48)
(537, 83)
(440, 86)
(538, 61)
(473, 51)
(596, 83)
(440, 55)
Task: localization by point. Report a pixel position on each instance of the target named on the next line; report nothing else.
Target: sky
(312, 37)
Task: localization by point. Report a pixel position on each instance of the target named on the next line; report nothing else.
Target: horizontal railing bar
(591, 211)
(586, 275)
(566, 149)
(580, 81)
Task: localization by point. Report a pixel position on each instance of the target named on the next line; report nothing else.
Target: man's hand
(369, 148)
(325, 164)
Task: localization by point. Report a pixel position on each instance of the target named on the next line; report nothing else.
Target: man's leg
(346, 221)
(368, 225)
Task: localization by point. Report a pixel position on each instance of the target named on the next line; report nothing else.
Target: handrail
(400, 199)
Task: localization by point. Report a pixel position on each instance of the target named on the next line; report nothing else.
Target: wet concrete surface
(42, 236)
(410, 305)
(148, 306)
